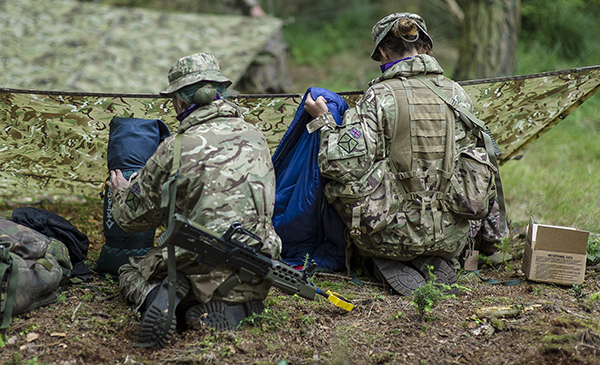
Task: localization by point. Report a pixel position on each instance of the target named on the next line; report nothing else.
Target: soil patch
(92, 324)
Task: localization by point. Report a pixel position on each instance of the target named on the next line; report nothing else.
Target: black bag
(53, 225)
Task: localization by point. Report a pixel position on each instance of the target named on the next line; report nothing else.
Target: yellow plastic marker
(337, 300)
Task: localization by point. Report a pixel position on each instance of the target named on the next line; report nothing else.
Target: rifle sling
(168, 198)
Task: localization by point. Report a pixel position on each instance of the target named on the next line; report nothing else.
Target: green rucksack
(32, 267)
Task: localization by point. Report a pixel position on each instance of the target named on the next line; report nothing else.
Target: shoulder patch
(347, 143)
(133, 200)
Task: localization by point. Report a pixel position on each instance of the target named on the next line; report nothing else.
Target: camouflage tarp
(74, 46)
(55, 142)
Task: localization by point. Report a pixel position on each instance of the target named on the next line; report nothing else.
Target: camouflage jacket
(225, 176)
(373, 171)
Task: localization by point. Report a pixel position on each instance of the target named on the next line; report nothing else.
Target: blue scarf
(190, 109)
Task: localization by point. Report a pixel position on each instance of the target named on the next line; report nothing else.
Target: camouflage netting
(55, 142)
(74, 46)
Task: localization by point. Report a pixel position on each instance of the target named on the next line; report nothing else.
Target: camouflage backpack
(475, 179)
(32, 267)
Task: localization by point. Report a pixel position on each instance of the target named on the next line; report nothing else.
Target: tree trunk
(488, 42)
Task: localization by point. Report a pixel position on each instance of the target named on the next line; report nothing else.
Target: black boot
(153, 327)
(221, 316)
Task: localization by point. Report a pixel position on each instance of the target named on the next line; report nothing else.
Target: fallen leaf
(32, 336)
(58, 334)
(12, 341)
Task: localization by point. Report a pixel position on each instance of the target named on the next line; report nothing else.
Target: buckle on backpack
(5, 247)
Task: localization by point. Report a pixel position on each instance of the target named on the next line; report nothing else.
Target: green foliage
(428, 296)
(306, 260)
(312, 40)
(568, 28)
(594, 297)
(269, 319)
(578, 291)
(593, 250)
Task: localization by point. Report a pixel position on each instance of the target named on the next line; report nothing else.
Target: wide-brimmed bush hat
(382, 28)
(192, 69)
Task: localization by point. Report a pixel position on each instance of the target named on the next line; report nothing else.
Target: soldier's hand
(315, 108)
(117, 180)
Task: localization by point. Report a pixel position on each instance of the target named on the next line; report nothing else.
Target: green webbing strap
(171, 265)
(169, 195)
(44, 262)
(512, 282)
(472, 122)
(499, 190)
(169, 188)
(355, 230)
(6, 267)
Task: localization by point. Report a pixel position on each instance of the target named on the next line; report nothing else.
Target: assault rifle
(213, 250)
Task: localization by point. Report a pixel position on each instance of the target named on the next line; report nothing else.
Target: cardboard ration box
(555, 254)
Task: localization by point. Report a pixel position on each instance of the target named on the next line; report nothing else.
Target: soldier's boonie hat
(382, 28)
(192, 69)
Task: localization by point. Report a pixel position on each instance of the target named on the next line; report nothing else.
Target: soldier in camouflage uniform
(225, 176)
(386, 160)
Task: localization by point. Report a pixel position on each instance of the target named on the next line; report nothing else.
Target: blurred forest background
(556, 180)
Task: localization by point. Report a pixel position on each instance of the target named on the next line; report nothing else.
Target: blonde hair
(406, 29)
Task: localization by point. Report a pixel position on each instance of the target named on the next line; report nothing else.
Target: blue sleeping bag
(305, 221)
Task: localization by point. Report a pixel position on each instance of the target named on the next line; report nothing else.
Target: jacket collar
(420, 64)
(218, 108)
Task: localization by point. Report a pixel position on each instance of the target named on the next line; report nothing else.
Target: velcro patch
(135, 188)
(132, 201)
(347, 143)
(355, 133)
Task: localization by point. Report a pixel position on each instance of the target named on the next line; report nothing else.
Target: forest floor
(545, 324)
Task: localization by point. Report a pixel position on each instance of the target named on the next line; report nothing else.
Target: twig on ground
(75, 312)
(564, 309)
(326, 274)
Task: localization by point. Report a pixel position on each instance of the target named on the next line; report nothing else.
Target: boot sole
(152, 329)
(220, 316)
(401, 277)
(441, 269)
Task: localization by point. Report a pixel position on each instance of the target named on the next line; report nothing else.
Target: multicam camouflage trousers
(145, 273)
(485, 233)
